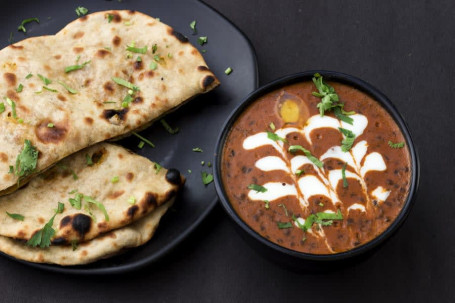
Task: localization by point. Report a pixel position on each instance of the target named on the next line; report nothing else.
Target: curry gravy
(377, 175)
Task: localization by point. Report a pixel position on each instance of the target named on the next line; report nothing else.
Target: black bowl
(295, 259)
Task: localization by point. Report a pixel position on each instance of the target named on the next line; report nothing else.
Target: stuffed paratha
(102, 76)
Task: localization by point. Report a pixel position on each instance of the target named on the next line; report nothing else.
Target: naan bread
(101, 247)
(61, 123)
(139, 182)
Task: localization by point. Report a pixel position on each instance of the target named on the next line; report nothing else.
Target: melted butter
(292, 109)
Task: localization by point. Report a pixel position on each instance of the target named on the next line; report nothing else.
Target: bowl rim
(357, 83)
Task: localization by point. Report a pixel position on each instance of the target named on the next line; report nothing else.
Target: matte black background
(404, 48)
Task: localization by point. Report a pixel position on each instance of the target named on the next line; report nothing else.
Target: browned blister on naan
(169, 73)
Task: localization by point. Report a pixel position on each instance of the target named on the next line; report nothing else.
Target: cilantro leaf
(193, 26)
(44, 79)
(349, 139)
(202, 40)
(284, 225)
(343, 175)
(396, 145)
(69, 89)
(206, 178)
(125, 83)
(76, 67)
(323, 218)
(295, 148)
(97, 204)
(26, 160)
(76, 202)
(141, 50)
(43, 237)
(81, 11)
(275, 137)
(157, 168)
(144, 139)
(21, 27)
(257, 188)
(169, 129)
(16, 216)
(197, 149)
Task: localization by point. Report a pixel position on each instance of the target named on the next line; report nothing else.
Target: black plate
(199, 121)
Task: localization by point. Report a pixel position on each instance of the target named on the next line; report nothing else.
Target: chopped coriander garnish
(81, 11)
(299, 172)
(144, 139)
(284, 225)
(44, 235)
(50, 89)
(285, 209)
(109, 18)
(257, 188)
(206, 178)
(2, 107)
(132, 200)
(115, 179)
(169, 55)
(197, 149)
(16, 216)
(154, 48)
(228, 71)
(203, 50)
(88, 160)
(326, 93)
(349, 139)
(44, 79)
(275, 137)
(26, 161)
(189, 171)
(76, 202)
(157, 58)
(341, 114)
(396, 145)
(99, 205)
(323, 218)
(209, 164)
(343, 175)
(125, 83)
(272, 126)
(13, 106)
(169, 129)
(193, 26)
(157, 167)
(19, 88)
(29, 76)
(202, 163)
(202, 40)
(69, 89)
(295, 148)
(11, 169)
(127, 101)
(267, 204)
(141, 144)
(153, 65)
(74, 244)
(141, 50)
(50, 125)
(22, 27)
(138, 59)
(109, 102)
(76, 67)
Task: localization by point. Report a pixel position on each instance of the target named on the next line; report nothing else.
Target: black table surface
(404, 48)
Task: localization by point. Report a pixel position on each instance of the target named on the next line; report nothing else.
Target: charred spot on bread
(81, 224)
(207, 81)
(173, 176)
(178, 35)
(110, 114)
